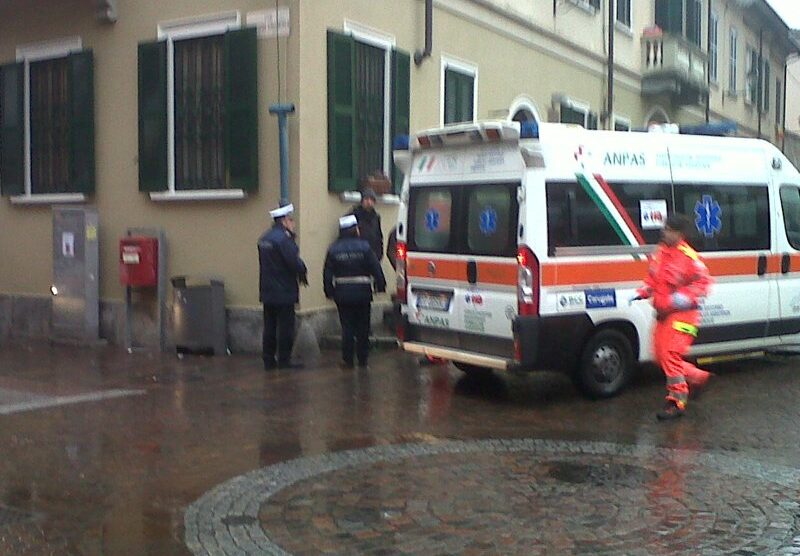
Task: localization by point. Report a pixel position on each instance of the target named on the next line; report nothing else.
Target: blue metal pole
(283, 110)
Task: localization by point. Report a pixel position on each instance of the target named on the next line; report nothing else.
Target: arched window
(523, 109)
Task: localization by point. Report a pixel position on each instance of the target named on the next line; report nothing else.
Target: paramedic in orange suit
(676, 281)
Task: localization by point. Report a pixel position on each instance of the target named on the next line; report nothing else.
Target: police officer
(281, 268)
(350, 269)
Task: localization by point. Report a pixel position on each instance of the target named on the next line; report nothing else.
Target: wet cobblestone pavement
(110, 453)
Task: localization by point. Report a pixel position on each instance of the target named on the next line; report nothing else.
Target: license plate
(436, 301)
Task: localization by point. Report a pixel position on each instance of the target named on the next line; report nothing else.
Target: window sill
(201, 195)
(355, 197)
(48, 199)
(623, 28)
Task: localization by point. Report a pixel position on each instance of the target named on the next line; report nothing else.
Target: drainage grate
(618, 474)
(10, 516)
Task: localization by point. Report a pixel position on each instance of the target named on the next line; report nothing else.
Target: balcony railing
(672, 65)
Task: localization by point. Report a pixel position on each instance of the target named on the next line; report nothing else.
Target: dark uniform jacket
(369, 225)
(350, 268)
(280, 267)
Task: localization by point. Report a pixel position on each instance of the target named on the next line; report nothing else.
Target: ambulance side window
(574, 220)
(633, 196)
(431, 218)
(790, 203)
(726, 217)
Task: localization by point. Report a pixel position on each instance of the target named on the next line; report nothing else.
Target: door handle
(786, 263)
(472, 272)
(762, 265)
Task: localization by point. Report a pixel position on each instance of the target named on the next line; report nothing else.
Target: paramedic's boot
(671, 410)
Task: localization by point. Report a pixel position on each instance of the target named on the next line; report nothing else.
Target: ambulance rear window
(431, 212)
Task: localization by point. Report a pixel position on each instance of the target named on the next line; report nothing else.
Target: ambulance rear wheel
(473, 371)
(606, 364)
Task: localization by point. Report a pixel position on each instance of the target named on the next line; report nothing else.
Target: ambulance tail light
(527, 282)
(401, 258)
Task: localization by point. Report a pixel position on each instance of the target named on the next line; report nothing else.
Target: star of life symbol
(432, 219)
(707, 212)
(581, 155)
(488, 223)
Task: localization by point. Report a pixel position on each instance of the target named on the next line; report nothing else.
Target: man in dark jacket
(369, 222)
(280, 270)
(350, 269)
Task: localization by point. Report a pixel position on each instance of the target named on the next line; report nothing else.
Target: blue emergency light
(401, 143)
(718, 129)
(529, 130)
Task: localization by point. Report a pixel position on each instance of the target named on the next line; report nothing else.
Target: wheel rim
(607, 364)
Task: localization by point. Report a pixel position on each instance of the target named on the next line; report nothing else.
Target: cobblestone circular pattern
(504, 496)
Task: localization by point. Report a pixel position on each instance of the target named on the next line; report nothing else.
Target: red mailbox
(138, 261)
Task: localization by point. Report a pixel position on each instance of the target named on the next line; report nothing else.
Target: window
(47, 123)
(713, 48)
(778, 104)
(491, 220)
(198, 110)
(751, 90)
(460, 91)
(732, 62)
(432, 219)
(624, 12)
(765, 91)
(588, 4)
(368, 105)
(465, 219)
(681, 18)
(790, 203)
(740, 219)
(574, 219)
(621, 124)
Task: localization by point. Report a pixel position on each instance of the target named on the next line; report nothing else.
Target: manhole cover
(10, 516)
(605, 474)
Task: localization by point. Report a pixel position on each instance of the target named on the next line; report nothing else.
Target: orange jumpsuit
(676, 280)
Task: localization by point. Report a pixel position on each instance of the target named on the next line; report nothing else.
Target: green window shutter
(153, 116)
(81, 79)
(342, 168)
(458, 96)
(401, 104)
(241, 108)
(12, 138)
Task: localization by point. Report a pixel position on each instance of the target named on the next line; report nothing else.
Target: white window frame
(577, 106)
(586, 6)
(622, 120)
(387, 42)
(713, 50)
(751, 53)
(458, 65)
(524, 103)
(621, 24)
(35, 52)
(733, 55)
(171, 31)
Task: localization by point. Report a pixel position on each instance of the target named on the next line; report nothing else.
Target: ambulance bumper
(458, 355)
(551, 343)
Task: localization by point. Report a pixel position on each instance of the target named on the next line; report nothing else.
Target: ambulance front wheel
(606, 364)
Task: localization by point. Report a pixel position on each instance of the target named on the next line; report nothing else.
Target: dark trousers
(278, 333)
(354, 318)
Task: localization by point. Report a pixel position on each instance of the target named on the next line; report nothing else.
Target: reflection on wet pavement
(113, 473)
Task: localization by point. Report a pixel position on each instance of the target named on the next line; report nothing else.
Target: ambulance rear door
(463, 216)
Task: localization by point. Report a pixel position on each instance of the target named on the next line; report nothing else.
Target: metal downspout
(420, 55)
(283, 110)
(610, 92)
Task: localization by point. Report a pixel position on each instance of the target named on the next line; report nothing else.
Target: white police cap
(282, 211)
(347, 222)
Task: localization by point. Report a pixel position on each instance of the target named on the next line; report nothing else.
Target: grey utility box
(76, 269)
(198, 315)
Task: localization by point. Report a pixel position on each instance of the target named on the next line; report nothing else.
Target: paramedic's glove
(635, 298)
(681, 302)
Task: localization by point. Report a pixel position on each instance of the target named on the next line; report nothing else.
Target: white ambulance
(520, 246)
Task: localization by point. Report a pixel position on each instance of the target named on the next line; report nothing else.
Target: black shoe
(270, 365)
(289, 365)
(669, 411)
(363, 365)
(346, 365)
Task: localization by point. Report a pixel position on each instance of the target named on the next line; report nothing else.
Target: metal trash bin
(198, 315)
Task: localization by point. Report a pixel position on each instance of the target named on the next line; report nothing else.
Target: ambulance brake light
(401, 259)
(527, 282)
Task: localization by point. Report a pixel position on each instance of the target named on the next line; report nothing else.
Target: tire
(473, 371)
(606, 364)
